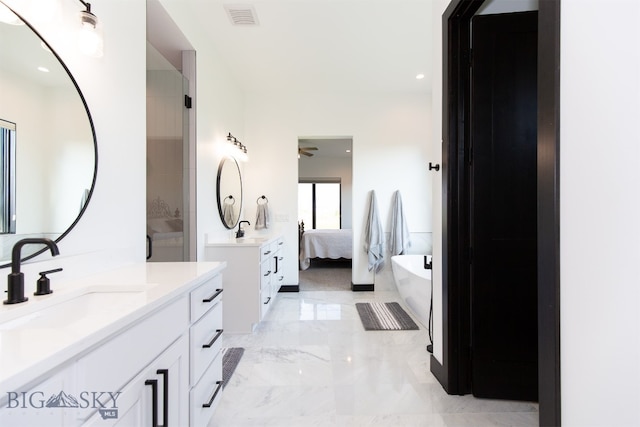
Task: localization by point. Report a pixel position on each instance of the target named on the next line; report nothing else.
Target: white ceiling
(328, 147)
(322, 45)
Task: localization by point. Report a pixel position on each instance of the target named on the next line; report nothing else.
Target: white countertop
(46, 331)
(244, 241)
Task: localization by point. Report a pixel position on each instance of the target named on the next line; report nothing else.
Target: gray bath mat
(230, 360)
(389, 316)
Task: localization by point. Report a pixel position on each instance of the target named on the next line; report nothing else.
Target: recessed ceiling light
(420, 76)
(43, 69)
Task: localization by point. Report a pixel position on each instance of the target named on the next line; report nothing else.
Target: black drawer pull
(210, 402)
(212, 297)
(267, 301)
(267, 273)
(267, 253)
(154, 401)
(208, 345)
(165, 396)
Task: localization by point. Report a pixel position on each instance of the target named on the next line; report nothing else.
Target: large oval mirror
(48, 153)
(229, 189)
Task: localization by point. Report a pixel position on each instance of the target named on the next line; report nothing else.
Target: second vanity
(253, 277)
(136, 346)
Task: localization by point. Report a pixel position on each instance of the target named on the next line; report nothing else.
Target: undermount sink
(88, 304)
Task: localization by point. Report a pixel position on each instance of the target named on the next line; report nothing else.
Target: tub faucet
(240, 232)
(15, 280)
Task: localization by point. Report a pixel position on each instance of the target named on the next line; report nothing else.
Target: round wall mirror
(229, 189)
(48, 151)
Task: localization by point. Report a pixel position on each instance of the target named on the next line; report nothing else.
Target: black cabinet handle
(267, 253)
(212, 297)
(210, 343)
(267, 301)
(154, 401)
(267, 273)
(165, 396)
(149, 247)
(210, 402)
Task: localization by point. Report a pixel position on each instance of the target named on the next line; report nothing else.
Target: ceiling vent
(241, 14)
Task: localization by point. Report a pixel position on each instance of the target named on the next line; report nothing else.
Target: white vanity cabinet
(252, 279)
(161, 366)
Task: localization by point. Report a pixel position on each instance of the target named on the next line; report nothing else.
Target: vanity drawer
(266, 271)
(204, 397)
(266, 251)
(205, 341)
(205, 296)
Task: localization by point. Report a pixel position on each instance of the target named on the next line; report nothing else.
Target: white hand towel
(228, 214)
(262, 216)
(400, 237)
(374, 237)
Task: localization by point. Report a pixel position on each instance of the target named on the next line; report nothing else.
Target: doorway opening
(324, 212)
(170, 200)
(455, 371)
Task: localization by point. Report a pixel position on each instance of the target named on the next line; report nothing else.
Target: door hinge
(187, 101)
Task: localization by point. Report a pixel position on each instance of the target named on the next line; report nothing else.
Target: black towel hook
(263, 197)
(232, 201)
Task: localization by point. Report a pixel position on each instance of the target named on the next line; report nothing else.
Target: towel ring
(262, 198)
(232, 200)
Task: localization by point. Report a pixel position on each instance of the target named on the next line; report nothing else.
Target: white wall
(391, 143)
(600, 212)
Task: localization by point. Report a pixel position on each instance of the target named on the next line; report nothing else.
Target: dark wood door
(503, 217)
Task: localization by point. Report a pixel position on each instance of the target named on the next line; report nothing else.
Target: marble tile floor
(311, 363)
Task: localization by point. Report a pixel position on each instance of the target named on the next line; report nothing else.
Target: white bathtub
(414, 284)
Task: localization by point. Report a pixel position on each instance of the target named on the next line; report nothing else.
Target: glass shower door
(167, 166)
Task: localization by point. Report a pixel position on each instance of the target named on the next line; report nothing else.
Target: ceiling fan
(305, 151)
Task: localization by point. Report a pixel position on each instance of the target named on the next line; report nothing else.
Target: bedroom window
(319, 204)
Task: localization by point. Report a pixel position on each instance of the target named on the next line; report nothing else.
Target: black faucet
(240, 232)
(15, 282)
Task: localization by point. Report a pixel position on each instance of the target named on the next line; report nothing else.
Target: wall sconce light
(240, 146)
(90, 39)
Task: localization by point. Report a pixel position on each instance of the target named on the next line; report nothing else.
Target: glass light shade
(90, 41)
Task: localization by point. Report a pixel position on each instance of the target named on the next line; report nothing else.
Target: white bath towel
(229, 215)
(400, 239)
(262, 216)
(374, 236)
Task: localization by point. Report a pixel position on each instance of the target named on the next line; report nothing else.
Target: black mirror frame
(93, 134)
(218, 193)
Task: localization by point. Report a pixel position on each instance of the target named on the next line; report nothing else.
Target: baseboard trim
(289, 288)
(439, 372)
(362, 288)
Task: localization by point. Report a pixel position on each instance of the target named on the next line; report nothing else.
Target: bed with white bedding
(332, 244)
